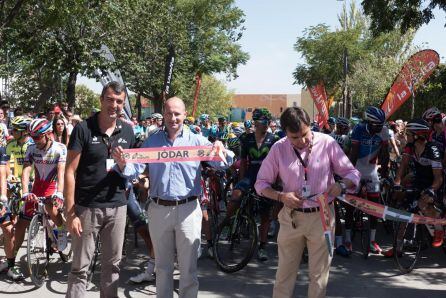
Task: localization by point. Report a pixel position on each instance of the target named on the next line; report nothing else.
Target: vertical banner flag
(170, 61)
(320, 98)
(413, 73)
(109, 76)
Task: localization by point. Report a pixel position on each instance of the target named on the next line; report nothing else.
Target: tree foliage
(373, 61)
(406, 14)
(214, 97)
(86, 101)
(54, 41)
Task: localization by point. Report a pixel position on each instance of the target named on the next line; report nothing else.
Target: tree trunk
(412, 108)
(138, 106)
(158, 101)
(71, 89)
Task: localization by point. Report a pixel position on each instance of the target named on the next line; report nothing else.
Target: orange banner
(414, 72)
(320, 98)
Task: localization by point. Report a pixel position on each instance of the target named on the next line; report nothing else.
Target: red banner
(320, 98)
(413, 73)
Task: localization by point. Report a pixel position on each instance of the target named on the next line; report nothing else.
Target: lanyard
(305, 164)
(109, 142)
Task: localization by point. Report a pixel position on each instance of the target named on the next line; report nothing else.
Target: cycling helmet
(213, 131)
(39, 127)
(233, 143)
(190, 119)
(247, 124)
(157, 116)
(431, 113)
(331, 120)
(418, 127)
(314, 126)
(237, 131)
(375, 115)
(20, 123)
(221, 118)
(341, 121)
(261, 114)
(204, 117)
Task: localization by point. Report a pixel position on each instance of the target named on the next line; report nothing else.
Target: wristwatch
(343, 187)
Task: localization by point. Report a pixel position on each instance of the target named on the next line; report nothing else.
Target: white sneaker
(4, 266)
(62, 240)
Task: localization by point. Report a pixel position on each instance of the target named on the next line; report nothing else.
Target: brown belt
(174, 202)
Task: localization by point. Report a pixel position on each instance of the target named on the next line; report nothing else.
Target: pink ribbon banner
(173, 154)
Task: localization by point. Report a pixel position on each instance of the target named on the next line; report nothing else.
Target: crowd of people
(90, 188)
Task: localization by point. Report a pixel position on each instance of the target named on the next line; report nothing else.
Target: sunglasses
(38, 138)
(60, 124)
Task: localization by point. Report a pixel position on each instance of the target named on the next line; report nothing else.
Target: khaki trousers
(176, 229)
(291, 243)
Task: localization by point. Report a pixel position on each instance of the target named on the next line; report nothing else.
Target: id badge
(306, 190)
(109, 164)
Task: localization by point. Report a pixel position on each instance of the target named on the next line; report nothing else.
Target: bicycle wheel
(214, 212)
(407, 243)
(37, 251)
(94, 261)
(235, 243)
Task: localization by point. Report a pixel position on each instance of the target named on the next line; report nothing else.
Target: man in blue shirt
(175, 213)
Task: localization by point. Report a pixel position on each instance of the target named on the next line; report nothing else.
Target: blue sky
(272, 28)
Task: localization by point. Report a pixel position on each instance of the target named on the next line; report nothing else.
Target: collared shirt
(174, 180)
(97, 187)
(326, 158)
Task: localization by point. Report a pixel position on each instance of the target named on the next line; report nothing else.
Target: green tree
(372, 61)
(405, 14)
(86, 101)
(214, 97)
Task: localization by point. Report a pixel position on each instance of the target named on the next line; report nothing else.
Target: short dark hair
(292, 118)
(117, 88)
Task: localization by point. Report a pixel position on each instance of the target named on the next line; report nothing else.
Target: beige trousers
(291, 243)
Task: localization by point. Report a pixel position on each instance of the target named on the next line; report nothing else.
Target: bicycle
(42, 243)
(410, 239)
(237, 236)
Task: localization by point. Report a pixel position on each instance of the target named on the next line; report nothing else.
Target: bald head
(174, 115)
(175, 101)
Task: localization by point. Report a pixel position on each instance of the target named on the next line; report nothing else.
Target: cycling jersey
(369, 147)
(45, 165)
(254, 155)
(429, 160)
(205, 132)
(16, 155)
(342, 140)
(439, 140)
(223, 133)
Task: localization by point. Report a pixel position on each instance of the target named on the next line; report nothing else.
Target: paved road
(353, 277)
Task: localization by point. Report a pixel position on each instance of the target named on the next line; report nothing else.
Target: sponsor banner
(320, 98)
(413, 73)
(173, 154)
(168, 70)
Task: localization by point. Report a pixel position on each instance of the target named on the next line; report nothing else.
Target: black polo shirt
(95, 186)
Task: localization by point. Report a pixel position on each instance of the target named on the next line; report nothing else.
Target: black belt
(174, 202)
(309, 210)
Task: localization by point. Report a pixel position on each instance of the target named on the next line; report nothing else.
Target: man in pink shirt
(304, 161)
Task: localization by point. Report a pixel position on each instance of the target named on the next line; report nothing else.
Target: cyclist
(16, 148)
(438, 132)
(205, 125)
(223, 130)
(425, 156)
(370, 139)
(6, 224)
(254, 148)
(48, 158)
(341, 135)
